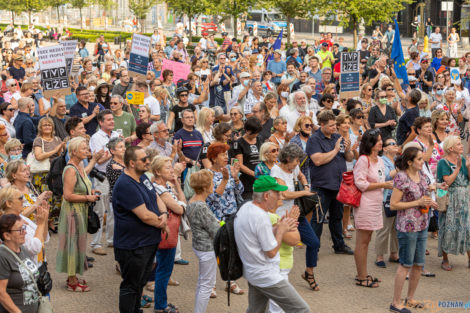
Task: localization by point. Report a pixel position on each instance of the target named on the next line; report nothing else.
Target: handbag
(348, 192)
(93, 224)
(388, 212)
(45, 305)
(170, 241)
(306, 204)
(36, 166)
(442, 202)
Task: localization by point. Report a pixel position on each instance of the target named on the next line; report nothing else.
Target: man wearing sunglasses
(140, 217)
(424, 76)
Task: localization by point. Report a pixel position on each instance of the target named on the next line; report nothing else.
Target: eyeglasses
(390, 144)
(359, 117)
(308, 125)
(389, 89)
(22, 230)
(164, 131)
(11, 110)
(255, 111)
(144, 159)
(183, 95)
(369, 89)
(274, 150)
(113, 102)
(235, 114)
(424, 61)
(446, 75)
(383, 97)
(329, 101)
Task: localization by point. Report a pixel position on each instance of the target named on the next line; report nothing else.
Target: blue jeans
(335, 222)
(135, 267)
(310, 239)
(412, 247)
(165, 263)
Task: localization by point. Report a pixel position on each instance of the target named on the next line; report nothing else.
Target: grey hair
(258, 196)
(218, 111)
(290, 153)
(121, 99)
(293, 105)
(113, 142)
(154, 126)
(306, 89)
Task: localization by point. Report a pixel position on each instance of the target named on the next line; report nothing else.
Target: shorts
(412, 248)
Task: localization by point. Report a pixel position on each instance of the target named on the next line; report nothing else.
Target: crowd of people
(252, 130)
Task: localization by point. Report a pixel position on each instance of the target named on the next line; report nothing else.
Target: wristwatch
(166, 212)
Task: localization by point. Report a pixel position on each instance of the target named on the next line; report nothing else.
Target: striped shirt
(192, 142)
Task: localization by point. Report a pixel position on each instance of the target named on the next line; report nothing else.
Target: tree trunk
(190, 17)
(355, 28)
(13, 17)
(105, 21)
(235, 30)
(29, 16)
(81, 19)
(58, 16)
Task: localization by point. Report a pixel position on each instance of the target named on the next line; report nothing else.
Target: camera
(98, 175)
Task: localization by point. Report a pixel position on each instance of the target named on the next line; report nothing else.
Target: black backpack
(54, 177)
(225, 248)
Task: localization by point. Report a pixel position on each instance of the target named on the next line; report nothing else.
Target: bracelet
(166, 212)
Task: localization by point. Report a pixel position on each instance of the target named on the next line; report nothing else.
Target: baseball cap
(325, 44)
(265, 183)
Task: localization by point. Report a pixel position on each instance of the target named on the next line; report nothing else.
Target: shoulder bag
(306, 204)
(348, 192)
(93, 224)
(45, 305)
(36, 166)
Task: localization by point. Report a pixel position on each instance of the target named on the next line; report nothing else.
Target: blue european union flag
(397, 56)
(276, 45)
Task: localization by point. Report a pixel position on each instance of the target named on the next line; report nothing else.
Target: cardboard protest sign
(454, 75)
(54, 75)
(139, 57)
(69, 51)
(180, 70)
(349, 78)
(135, 97)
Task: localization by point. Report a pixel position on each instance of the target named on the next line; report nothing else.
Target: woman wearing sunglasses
(382, 115)
(7, 111)
(18, 292)
(304, 128)
(268, 157)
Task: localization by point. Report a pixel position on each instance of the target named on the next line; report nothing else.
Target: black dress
(376, 116)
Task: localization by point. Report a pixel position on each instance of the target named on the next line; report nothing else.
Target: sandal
(77, 287)
(310, 279)
(428, 274)
(168, 309)
(144, 304)
(213, 294)
(147, 298)
(351, 228)
(370, 282)
(235, 289)
(172, 282)
(374, 279)
(445, 267)
(347, 235)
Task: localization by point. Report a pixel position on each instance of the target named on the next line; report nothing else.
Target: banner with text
(349, 78)
(54, 76)
(139, 57)
(180, 70)
(69, 51)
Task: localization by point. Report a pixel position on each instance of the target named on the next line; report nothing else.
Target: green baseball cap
(266, 183)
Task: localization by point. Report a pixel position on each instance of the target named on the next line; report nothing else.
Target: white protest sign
(139, 57)
(69, 51)
(54, 76)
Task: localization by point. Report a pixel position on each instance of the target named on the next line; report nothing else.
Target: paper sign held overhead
(135, 97)
(69, 51)
(139, 56)
(54, 74)
(350, 77)
(180, 70)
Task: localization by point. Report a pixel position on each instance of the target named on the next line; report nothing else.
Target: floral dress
(411, 220)
(227, 203)
(454, 224)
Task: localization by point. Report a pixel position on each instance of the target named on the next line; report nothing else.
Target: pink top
(368, 216)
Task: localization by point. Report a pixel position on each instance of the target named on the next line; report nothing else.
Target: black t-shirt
(364, 54)
(266, 131)
(17, 73)
(428, 77)
(177, 111)
(130, 232)
(372, 74)
(250, 159)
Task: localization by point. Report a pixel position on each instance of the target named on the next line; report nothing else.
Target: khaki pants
(386, 234)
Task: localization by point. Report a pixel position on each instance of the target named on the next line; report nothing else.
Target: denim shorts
(412, 248)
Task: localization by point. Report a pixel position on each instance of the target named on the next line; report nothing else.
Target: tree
(234, 8)
(14, 6)
(57, 4)
(291, 9)
(140, 8)
(191, 8)
(80, 4)
(350, 12)
(29, 6)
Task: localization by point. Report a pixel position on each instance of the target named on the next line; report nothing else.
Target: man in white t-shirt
(149, 100)
(203, 41)
(258, 246)
(435, 40)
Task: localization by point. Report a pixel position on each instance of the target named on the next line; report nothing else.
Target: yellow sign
(135, 97)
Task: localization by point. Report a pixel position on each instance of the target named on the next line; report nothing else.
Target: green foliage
(140, 8)
(234, 8)
(350, 12)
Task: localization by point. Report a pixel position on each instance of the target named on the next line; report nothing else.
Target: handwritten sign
(349, 78)
(139, 57)
(180, 70)
(69, 51)
(54, 75)
(135, 97)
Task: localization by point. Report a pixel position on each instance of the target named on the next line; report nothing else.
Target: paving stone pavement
(335, 274)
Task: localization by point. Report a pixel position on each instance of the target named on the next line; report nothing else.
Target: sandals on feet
(213, 294)
(310, 279)
(78, 287)
(235, 289)
(144, 304)
(446, 266)
(374, 279)
(370, 282)
(347, 235)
